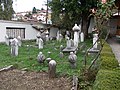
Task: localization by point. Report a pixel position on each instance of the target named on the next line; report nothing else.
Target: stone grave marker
(19, 41)
(40, 43)
(72, 60)
(41, 57)
(52, 69)
(14, 47)
(7, 40)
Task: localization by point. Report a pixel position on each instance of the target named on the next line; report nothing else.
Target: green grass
(27, 58)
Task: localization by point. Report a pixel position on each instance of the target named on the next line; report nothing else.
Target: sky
(27, 5)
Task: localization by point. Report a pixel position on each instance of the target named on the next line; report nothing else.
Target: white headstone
(40, 43)
(19, 41)
(47, 35)
(82, 37)
(76, 30)
(14, 47)
(7, 39)
(38, 36)
(95, 38)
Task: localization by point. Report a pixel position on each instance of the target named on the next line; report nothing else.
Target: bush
(108, 77)
(107, 80)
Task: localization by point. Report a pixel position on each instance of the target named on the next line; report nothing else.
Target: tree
(68, 12)
(6, 9)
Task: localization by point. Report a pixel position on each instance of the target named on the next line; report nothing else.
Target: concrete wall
(30, 32)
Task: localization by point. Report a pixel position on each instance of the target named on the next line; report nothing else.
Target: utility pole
(47, 13)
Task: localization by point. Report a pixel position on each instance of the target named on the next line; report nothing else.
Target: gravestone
(47, 35)
(38, 36)
(48, 60)
(19, 41)
(14, 47)
(61, 54)
(41, 57)
(7, 40)
(95, 38)
(72, 60)
(81, 37)
(40, 43)
(52, 69)
(76, 30)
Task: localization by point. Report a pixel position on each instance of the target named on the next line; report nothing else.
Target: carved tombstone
(7, 40)
(19, 41)
(41, 57)
(72, 59)
(52, 69)
(14, 47)
(40, 43)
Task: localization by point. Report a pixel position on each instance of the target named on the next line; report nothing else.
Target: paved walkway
(115, 45)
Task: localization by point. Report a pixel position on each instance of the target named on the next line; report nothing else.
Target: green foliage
(6, 10)
(108, 77)
(107, 80)
(66, 13)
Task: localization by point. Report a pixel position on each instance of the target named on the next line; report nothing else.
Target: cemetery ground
(35, 76)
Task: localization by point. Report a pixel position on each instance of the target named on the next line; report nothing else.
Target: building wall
(30, 32)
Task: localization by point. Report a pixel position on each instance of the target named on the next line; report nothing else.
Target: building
(14, 29)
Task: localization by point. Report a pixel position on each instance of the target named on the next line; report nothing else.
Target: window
(14, 32)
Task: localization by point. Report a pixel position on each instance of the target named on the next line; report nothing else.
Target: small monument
(81, 37)
(47, 35)
(14, 47)
(40, 43)
(19, 41)
(38, 36)
(7, 40)
(76, 30)
(41, 57)
(72, 59)
(95, 38)
(52, 69)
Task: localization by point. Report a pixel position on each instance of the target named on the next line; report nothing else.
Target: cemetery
(69, 57)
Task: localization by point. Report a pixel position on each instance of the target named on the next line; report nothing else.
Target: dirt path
(22, 80)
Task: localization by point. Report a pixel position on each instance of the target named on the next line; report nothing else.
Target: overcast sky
(27, 5)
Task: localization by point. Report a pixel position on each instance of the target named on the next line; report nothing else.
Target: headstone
(47, 35)
(41, 57)
(49, 53)
(38, 36)
(7, 40)
(48, 60)
(57, 37)
(14, 47)
(82, 37)
(95, 38)
(40, 43)
(72, 43)
(52, 69)
(76, 30)
(72, 59)
(61, 48)
(68, 43)
(61, 54)
(19, 41)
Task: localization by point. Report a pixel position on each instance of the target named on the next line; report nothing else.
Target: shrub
(108, 77)
(107, 80)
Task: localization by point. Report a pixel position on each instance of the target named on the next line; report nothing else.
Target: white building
(14, 29)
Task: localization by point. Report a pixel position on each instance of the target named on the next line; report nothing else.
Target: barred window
(14, 32)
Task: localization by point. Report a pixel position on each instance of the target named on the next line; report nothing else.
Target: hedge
(108, 77)
(107, 80)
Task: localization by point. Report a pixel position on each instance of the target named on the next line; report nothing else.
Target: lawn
(27, 57)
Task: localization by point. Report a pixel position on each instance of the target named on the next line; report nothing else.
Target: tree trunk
(85, 25)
